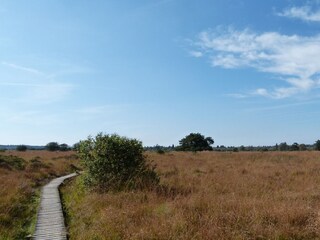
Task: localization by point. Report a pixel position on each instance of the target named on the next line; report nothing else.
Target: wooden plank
(50, 221)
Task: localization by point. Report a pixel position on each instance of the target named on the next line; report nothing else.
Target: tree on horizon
(195, 142)
(317, 145)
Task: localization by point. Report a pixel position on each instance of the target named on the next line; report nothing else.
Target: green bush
(160, 151)
(36, 163)
(113, 162)
(12, 162)
(21, 148)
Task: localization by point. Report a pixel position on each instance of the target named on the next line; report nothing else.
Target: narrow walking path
(50, 221)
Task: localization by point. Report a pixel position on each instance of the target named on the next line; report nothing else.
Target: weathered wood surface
(50, 222)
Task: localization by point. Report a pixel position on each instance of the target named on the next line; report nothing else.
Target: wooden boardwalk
(50, 221)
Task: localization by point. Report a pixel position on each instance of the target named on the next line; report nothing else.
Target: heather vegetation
(22, 173)
(208, 195)
(189, 191)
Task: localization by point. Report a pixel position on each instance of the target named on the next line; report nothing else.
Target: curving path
(50, 221)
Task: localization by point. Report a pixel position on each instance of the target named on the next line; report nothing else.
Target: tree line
(51, 146)
(193, 142)
(198, 142)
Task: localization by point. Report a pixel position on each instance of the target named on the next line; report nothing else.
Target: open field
(208, 195)
(21, 176)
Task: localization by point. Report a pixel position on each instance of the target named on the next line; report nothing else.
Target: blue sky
(243, 72)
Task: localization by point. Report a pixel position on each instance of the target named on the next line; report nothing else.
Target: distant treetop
(195, 142)
(52, 146)
(21, 148)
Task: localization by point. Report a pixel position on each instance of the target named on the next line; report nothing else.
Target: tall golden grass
(19, 189)
(207, 195)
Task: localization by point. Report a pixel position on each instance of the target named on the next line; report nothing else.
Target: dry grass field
(21, 175)
(207, 195)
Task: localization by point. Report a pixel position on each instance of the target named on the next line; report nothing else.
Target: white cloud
(196, 54)
(237, 95)
(261, 91)
(293, 58)
(304, 13)
(277, 93)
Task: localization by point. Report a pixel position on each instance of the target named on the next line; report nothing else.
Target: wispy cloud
(95, 110)
(110, 115)
(305, 13)
(19, 84)
(237, 95)
(283, 106)
(29, 117)
(103, 109)
(39, 87)
(39, 93)
(196, 54)
(22, 68)
(293, 59)
(33, 118)
(49, 92)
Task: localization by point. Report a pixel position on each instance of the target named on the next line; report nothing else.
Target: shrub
(36, 163)
(22, 148)
(160, 151)
(113, 162)
(10, 162)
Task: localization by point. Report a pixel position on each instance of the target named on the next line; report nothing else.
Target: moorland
(203, 195)
(21, 176)
(207, 195)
